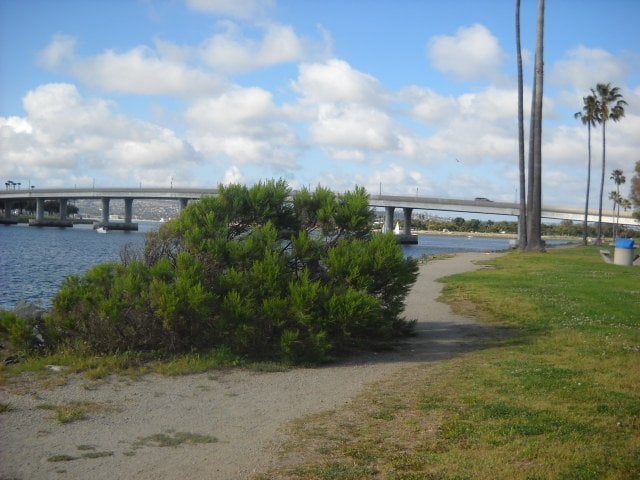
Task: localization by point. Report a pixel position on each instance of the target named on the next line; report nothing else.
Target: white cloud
(242, 9)
(58, 52)
(231, 52)
(244, 125)
(352, 126)
(140, 70)
(472, 53)
(393, 178)
(582, 68)
(427, 104)
(65, 134)
(336, 81)
(236, 110)
(346, 110)
(471, 127)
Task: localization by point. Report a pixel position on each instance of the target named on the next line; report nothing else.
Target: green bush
(261, 271)
(17, 330)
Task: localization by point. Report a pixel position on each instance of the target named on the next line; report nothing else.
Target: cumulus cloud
(244, 125)
(473, 53)
(336, 81)
(232, 52)
(582, 68)
(65, 134)
(472, 126)
(237, 110)
(390, 178)
(352, 126)
(140, 70)
(347, 111)
(427, 104)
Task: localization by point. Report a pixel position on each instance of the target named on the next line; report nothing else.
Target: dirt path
(220, 425)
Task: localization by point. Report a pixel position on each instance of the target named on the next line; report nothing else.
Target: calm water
(34, 261)
(443, 244)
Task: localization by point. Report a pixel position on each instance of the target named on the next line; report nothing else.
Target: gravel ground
(219, 425)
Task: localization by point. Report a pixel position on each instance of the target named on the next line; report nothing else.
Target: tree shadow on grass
(440, 340)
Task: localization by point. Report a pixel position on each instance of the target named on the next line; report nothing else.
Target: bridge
(105, 195)
(184, 195)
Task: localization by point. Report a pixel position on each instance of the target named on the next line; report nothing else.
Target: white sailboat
(101, 230)
(396, 230)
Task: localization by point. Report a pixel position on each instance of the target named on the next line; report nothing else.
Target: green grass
(129, 364)
(561, 400)
(172, 439)
(78, 410)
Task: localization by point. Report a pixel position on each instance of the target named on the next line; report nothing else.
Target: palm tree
(534, 208)
(625, 203)
(616, 199)
(522, 221)
(618, 178)
(634, 194)
(589, 117)
(610, 107)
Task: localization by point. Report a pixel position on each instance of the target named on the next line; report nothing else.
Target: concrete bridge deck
(184, 195)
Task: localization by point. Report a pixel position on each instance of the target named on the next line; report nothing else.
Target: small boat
(396, 230)
(101, 230)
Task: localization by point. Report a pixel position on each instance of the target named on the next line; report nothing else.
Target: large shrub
(262, 271)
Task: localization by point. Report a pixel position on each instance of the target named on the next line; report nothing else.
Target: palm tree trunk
(534, 224)
(522, 218)
(530, 176)
(585, 226)
(599, 239)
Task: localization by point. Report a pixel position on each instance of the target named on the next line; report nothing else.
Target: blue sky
(405, 96)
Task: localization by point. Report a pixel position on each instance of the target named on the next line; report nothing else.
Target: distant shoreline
(568, 238)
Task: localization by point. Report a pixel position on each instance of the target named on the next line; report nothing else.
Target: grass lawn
(559, 399)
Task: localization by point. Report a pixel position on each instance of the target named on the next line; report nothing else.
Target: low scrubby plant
(18, 331)
(260, 271)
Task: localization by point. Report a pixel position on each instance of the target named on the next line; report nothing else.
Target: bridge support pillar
(128, 210)
(407, 220)
(183, 204)
(406, 237)
(40, 221)
(39, 209)
(388, 219)
(7, 219)
(63, 208)
(105, 211)
(128, 215)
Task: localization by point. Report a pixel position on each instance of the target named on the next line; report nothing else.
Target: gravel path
(220, 425)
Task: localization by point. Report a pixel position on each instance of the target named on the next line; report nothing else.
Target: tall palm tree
(589, 117)
(522, 218)
(634, 194)
(534, 209)
(618, 178)
(610, 107)
(625, 203)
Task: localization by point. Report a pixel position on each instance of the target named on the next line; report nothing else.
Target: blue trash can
(624, 252)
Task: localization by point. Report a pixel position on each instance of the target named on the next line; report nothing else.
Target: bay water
(34, 261)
